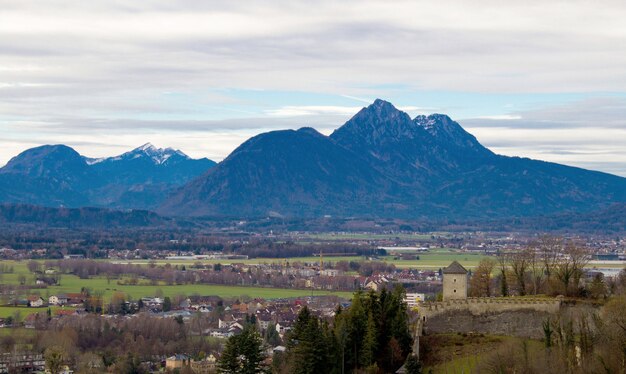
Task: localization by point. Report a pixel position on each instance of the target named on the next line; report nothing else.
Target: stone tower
(454, 282)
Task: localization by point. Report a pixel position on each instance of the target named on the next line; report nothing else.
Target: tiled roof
(455, 268)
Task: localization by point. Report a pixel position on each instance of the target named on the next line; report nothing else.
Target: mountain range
(56, 175)
(381, 163)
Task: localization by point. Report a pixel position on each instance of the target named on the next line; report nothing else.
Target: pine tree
(357, 323)
(243, 353)
(370, 342)
(308, 345)
(302, 321)
(271, 336)
(412, 365)
(167, 304)
(229, 360)
(504, 287)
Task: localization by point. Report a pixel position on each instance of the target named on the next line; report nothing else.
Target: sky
(539, 79)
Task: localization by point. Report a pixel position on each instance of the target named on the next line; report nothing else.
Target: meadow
(72, 283)
(11, 311)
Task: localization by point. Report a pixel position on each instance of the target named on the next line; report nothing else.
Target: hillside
(56, 175)
(95, 218)
(382, 163)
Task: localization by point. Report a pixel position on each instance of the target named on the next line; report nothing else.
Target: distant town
(207, 289)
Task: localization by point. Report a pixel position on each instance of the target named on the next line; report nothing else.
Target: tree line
(372, 335)
(550, 266)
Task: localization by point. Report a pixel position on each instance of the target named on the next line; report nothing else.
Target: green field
(10, 311)
(433, 260)
(72, 283)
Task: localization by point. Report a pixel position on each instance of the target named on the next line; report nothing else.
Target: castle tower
(454, 282)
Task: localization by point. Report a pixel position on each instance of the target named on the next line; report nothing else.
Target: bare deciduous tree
(519, 265)
(549, 248)
(480, 284)
(569, 269)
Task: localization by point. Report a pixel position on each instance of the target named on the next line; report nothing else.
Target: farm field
(435, 259)
(9, 311)
(72, 283)
(366, 236)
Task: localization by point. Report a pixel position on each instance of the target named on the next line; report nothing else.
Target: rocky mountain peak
(156, 155)
(380, 121)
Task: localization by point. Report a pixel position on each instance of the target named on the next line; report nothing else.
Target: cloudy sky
(542, 79)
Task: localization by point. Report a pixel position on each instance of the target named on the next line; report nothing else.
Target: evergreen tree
(271, 336)
(308, 345)
(167, 304)
(370, 342)
(357, 323)
(504, 287)
(412, 365)
(372, 335)
(243, 353)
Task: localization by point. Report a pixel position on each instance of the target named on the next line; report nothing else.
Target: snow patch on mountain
(158, 156)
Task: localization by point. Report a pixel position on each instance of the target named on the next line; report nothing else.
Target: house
(22, 362)
(204, 366)
(153, 303)
(330, 272)
(35, 301)
(280, 348)
(185, 304)
(31, 320)
(61, 299)
(74, 299)
(177, 361)
(45, 281)
(53, 300)
(65, 312)
(413, 299)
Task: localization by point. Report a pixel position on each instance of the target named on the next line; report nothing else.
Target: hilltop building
(454, 282)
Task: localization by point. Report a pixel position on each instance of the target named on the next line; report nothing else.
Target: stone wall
(489, 315)
(522, 323)
(482, 305)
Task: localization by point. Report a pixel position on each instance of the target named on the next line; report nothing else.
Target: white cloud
(587, 133)
(311, 110)
(504, 117)
(78, 71)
